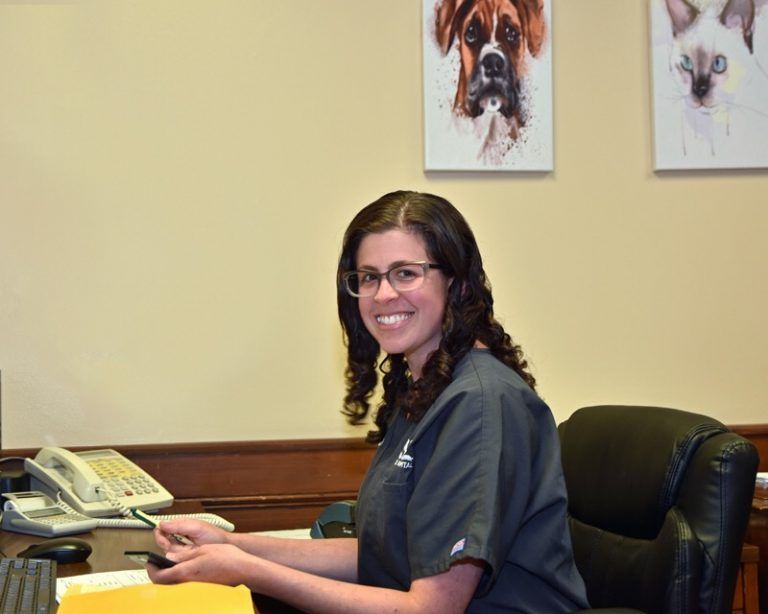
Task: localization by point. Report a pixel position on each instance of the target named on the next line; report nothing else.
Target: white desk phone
(75, 491)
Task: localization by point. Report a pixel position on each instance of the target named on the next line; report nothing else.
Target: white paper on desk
(286, 533)
(103, 581)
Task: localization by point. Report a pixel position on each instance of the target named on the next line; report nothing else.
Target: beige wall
(175, 178)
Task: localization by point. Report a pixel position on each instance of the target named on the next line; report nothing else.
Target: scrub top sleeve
(471, 492)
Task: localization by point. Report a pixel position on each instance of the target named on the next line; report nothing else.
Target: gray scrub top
(478, 477)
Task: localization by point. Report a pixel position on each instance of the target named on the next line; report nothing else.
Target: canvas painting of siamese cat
(710, 83)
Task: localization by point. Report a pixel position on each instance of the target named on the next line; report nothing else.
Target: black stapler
(336, 520)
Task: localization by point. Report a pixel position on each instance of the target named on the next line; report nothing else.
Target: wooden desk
(745, 596)
(108, 546)
(757, 533)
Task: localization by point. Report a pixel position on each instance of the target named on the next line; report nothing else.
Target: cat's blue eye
(719, 64)
(686, 63)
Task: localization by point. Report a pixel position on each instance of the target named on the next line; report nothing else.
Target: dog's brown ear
(533, 15)
(445, 24)
(682, 14)
(740, 13)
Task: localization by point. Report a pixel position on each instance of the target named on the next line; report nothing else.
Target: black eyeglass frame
(349, 275)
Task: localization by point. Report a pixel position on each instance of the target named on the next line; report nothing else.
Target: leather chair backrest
(659, 501)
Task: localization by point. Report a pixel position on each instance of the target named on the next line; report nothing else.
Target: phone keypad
(123, 478)
(62, 519)
(54, 515)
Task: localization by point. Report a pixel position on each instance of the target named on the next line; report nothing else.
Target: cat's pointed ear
(682, 14)
(740, 14)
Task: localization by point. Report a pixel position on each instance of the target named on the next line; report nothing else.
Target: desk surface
(757, 533)
(108, 546)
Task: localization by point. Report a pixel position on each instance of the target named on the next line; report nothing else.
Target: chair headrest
(623, 465)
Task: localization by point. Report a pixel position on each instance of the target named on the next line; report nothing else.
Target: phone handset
(73, 473)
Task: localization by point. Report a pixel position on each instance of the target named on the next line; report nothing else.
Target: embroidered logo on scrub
(404, 460)
(459, 546)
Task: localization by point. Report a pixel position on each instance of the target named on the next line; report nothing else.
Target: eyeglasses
(403, 278)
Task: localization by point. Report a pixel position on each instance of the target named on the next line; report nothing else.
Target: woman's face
(406, 323)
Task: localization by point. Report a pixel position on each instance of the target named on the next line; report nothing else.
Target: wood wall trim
(758, 435)
(258, 485)
(281, 484)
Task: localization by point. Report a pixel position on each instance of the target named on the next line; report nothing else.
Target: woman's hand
(197, 531)
(218, 563)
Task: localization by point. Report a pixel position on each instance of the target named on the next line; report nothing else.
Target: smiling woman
(397, 229)
(458, 405)
(466, 483)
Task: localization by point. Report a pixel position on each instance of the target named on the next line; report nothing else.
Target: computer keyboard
(27, 586)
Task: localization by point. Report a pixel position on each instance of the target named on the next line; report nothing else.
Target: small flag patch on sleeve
(459, 546)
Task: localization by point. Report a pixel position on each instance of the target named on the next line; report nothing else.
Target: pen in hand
(137, 513)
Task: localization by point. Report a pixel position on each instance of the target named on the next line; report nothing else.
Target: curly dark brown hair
(468, 315)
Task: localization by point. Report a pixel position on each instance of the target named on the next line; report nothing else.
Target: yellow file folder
(189, 597)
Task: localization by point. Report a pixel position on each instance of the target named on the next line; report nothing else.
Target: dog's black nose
(493, 65)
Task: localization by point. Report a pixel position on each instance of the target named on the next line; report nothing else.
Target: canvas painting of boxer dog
(487, 85)
(710, 83)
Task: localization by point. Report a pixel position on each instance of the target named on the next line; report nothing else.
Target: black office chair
(659, 501)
